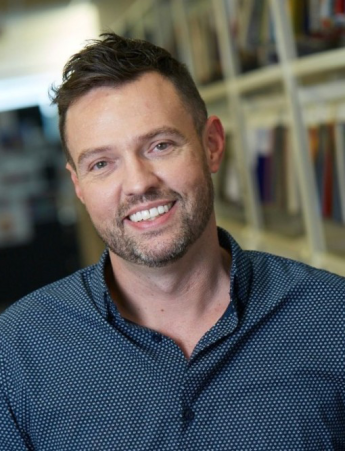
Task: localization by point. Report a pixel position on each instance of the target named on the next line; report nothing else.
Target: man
(177, 339)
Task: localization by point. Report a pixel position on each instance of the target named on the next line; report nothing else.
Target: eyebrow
(169, 131)
(89, 153)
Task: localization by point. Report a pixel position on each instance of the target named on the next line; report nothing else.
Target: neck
(183, 292)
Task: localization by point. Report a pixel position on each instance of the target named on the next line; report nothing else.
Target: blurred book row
(275, 173)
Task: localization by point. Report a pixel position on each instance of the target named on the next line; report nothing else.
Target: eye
(162, 146)
(99, 165)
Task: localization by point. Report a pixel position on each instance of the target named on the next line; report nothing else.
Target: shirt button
(156, 338)
(188, 415)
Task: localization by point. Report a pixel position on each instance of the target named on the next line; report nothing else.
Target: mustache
(152, 195)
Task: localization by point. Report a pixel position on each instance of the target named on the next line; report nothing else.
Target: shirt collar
(99, 289)
(240, 278)
(241, 272)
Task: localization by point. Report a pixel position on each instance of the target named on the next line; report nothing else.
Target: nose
(138, 177)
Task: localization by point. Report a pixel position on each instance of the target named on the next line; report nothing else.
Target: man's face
(142, 171)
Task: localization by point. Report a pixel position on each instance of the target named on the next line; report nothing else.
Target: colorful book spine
(275, 170)
(324, 156)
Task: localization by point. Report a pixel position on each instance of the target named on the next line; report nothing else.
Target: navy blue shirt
(270, 374)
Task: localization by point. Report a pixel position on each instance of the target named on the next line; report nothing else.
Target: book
(327, 173)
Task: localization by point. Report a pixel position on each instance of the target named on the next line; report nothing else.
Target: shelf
(213, 92)
(249, 238)
(268, 76)
(319, 63)
(258, 79)
(247, 83)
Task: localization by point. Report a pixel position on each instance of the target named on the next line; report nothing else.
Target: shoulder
(47, 302)
(286, 277)
(285, 267)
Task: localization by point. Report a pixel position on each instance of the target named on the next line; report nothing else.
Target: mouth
(151, 214)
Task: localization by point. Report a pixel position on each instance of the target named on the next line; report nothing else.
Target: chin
(153, 258)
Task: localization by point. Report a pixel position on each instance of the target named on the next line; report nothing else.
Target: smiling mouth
(151, 214)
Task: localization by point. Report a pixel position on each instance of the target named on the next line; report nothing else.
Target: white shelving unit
(280, 93)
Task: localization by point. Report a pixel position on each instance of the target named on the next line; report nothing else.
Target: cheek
(100, 203)
(185, 174)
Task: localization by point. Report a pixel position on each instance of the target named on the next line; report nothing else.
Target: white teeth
(144, 215)
(153, 212)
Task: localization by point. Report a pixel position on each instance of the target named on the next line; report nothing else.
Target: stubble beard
(153, 250)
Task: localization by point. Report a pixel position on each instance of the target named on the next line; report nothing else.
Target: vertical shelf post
(306, 175)
(179, 14)
(340, 159)
(230, 70)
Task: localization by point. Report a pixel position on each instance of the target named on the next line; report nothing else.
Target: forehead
(132, 108)
(146, 94)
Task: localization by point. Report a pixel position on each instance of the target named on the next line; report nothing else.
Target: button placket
(188, 415)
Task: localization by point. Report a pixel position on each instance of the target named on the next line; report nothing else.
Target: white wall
(34, 48)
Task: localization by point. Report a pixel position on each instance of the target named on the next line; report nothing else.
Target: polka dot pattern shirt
(270, 375)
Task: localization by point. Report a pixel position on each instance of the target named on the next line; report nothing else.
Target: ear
(214, 140)
(75, 180)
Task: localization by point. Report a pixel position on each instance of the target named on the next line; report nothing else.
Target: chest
(235, 395)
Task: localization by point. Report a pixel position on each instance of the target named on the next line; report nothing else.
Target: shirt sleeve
(11, 438)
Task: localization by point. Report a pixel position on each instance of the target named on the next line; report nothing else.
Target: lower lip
(158, 221)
